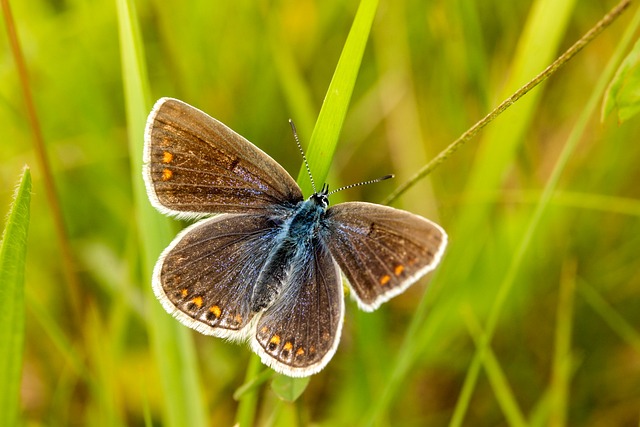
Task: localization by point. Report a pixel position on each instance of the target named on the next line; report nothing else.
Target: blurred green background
(555, 281)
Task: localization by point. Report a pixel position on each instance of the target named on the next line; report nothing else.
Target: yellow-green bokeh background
(431, 70)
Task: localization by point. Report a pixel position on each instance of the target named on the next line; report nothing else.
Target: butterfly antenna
(371, 181)
(306, 164)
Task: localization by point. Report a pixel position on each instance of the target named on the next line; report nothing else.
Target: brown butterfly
(268, 268)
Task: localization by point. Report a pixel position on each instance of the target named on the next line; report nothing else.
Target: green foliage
(531, 319)
(13, 250)
(289, 389)
(623, 94)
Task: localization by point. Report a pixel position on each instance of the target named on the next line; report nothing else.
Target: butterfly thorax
(295, 247)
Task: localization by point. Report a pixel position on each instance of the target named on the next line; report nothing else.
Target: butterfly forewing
(206, 276)
(196, 165)
(381, 250)
(299, 333)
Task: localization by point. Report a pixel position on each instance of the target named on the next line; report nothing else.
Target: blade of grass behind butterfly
(13, 250)
(299, 101)
(172, 343)
(326, 132)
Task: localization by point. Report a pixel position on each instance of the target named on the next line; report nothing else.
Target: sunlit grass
(564, 345)
(13, 250)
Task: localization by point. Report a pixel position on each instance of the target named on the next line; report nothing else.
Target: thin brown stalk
(68, 263)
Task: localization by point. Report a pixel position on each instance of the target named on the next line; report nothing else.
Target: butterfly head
(321, 198)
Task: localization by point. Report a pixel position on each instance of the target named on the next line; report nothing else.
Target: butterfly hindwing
(299, 333)
(381, 250)
(195, 165)
(206, 276)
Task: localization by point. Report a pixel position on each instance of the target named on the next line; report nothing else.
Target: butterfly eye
(320, 199)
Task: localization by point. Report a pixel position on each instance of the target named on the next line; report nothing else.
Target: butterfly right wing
(195, 165)
(205, 277)
(381, 250)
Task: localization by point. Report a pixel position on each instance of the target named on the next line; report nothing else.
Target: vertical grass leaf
(172, 343)
(247, 394)
(13, 250)
(326, 132)
(497, 377)
(324, 138)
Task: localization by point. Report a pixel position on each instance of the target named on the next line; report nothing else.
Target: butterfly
(268, 268)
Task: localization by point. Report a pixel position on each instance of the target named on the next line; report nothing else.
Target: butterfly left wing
(381, 250)
(195, 165)
(205, 277)
(299, 333)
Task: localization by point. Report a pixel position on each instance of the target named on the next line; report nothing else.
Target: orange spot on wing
(216, 311)
(166, 174)
(167, 157)
(287, 346)
(184, 293)
(300, 351)
(385, 279)
(275, 340)
(399, 269)
(197, 301)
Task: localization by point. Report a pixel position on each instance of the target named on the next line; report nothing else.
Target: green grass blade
(326, 132)
(257, 374)
(612, 318)
(13, 250)
(497, 378)
(561, 368)
(247, 394)
(172, 343)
